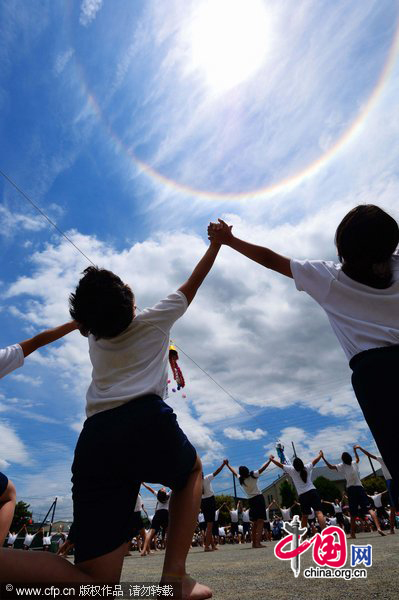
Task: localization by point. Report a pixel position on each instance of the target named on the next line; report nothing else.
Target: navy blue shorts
(309, 500)
(208, 508)
(393, 493)
(3, 483)
(359, 502)
(257, 508)
(112, 458)
(160, 520)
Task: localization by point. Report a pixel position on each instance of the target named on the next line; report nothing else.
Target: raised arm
(318, 457)
(202, 269)
(264, 466)
(219, 469)
(222, 234)
(232, 469)
(147, 487)
(357, 447)
(356, 454)
(46, 337)
(332, 467)
(276, 462)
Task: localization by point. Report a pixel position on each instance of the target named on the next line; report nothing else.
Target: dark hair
(300, 467)
(162, 496)
(346, 458)
(244, 474)
(366, 238)
(102, 304)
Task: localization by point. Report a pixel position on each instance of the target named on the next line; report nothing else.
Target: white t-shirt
(134, 363)
(201, 518)
(268, 514)
(47, 540)
(139, 503)
(250, 485)
(222, 532)
(217, 515)
(162, 505)
(286, 512)
(301, 486)
(333, 521)
(311, 515)
(384, 468)
(233, 516)
(361, 316)
(245, 516)
(377, 500)
(11, 358)
(351, 473)
(29, 538)
(207, 487)
(337, 508)
(11, 538)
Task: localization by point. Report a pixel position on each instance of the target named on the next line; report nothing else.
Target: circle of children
(129, 355)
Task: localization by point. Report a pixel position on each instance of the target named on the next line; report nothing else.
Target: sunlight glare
(229, 41)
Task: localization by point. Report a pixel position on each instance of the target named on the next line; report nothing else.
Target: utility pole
(52, 516)
(293, 447)
(235, 490)
(372, 467)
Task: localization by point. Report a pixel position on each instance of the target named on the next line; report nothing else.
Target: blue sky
(132, 124)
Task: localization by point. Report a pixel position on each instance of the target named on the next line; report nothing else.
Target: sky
(132, 125)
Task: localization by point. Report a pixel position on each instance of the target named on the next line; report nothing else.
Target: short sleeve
(339, 467)
(167, 311)
(11, 358)
(288, 469)
(255, 474)
(314, 277)
(209, 477)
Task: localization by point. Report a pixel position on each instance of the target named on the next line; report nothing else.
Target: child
(208, 507)
(257, 507)
(129, 355)
(309, 497)
(392, 486)
(359, 503)
(361, 299)
(160, 519)
(11, 358)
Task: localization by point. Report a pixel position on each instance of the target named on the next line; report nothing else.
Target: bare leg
(17, 565)
(183, 511)
(147, 543)
(392, 515)
(353, 527)
(7, 507)
(304, 523)
(208, 537)
(376, 522)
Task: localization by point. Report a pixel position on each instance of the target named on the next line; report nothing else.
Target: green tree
(22, 516)
(224, 515)
(374, 484)
(327, 489)
(288, 494)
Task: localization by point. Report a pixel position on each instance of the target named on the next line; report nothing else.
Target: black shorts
(202, 526)
(215, 528)
(234, 529)
(359, 502)
(137, 523)
(3, 483)
(246, 527)
(309, 500)
(340, 518)
(257, 508)
(208, 509)
(110, 464)
(393, 493)
(266, 526)
(160, 519)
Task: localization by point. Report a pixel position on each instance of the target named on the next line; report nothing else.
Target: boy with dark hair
(129, 354)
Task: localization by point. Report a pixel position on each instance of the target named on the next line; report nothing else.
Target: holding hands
(220, 233)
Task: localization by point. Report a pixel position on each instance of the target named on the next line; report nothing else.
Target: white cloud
(35, 381)
(13, 449)
(244, 434)
(88, 11)
(12, 222)
(62, 60)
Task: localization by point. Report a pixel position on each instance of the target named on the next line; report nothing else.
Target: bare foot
(351, 537)
(380, 532)
(392, 532)
(258, 546)
(208, 549)
(189, 590)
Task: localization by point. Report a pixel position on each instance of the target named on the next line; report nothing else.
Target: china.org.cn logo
(329, 551)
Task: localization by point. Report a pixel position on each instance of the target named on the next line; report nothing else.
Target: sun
(229, 41)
